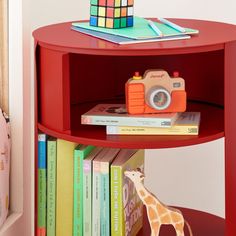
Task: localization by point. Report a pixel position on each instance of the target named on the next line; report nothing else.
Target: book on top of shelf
(187, 124)
(101, 199)
(124, 40)
(140, 30)
(116, 114)
(126, 206)
(87, 191)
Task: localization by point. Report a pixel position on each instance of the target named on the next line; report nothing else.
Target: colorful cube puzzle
(111, 13)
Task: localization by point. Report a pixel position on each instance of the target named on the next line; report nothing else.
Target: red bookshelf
(74, 72)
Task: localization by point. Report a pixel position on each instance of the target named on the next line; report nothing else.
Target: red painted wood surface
(211, 128)
(230, 138)
(95, 72)
(212, 36)
(202, 224)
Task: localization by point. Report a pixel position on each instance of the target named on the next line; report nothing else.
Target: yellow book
(186, 124)
(64, 187)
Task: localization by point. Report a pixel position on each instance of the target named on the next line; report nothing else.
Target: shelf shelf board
(202, 224)
(212, 37)
(211, 128)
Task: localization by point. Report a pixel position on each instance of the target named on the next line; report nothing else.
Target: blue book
(41, 199)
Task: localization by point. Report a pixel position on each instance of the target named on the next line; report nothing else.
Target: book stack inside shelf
(117, 121)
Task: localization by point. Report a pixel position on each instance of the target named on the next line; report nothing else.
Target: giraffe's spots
(149, 200)
(155, 227)
(161, 209)
(142, 193)
(152, 213)
(176, 216)
(165, 218)
(1, 165)
(179, 227)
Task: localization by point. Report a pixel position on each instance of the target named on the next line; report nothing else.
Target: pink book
(4, 166)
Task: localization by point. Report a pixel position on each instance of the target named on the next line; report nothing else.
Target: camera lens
(158, 98)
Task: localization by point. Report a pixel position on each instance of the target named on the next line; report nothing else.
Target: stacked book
(80, 189)
(118, 121)
(142, 31)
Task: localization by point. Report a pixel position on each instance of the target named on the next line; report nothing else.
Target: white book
(116, 114)
(187, 124)
(87, 191)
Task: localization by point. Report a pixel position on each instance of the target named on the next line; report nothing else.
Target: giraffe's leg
(179, 228)
(155, 228)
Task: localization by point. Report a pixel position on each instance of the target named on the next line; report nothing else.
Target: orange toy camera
(155, 92)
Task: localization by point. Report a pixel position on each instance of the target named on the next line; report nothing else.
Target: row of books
(118, 121)
(82, 189)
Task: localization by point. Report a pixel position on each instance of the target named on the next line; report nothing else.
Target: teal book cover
(140, 30)
(80, 152)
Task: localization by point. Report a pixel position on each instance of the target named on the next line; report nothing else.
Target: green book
(140, 30)
(80, 152)
(51, 186)
(125, 202)
(87, 191)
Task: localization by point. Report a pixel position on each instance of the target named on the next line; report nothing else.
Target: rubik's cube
(111, 13)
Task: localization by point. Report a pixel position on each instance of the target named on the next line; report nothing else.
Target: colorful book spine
(87, 191)
(41, 200)
(80, 152)
(64, 191)
(51, 186)
(126, 207)
(96, 199)
(187, 124)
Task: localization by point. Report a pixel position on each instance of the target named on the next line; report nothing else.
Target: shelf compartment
(211, 128)
(202, 224)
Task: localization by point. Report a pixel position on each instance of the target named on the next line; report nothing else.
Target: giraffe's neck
(144, 193)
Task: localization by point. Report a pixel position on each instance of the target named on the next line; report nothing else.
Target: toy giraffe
(158, 213)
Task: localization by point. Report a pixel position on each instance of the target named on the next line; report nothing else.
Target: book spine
(174, 130)
(51, 187)
(96, 199)
(41, 224)
(117, 221)
(87, 197)
(77, 214)
(105, 200)
(64, 191)
(79, 156)
(128, 121)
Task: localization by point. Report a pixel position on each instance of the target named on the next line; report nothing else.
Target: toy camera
(155, 92)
